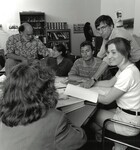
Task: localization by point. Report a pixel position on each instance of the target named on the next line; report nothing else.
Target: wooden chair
(132, 142)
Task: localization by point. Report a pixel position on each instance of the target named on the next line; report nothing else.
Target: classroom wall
(110, 7)
(70, 11)
(137, 18)
(127, 7)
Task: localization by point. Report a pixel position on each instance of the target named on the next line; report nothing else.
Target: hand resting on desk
(62, 96)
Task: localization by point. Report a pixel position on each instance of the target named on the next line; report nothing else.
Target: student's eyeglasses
(102, 28)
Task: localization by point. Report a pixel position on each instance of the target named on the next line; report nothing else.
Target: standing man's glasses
(102, 28)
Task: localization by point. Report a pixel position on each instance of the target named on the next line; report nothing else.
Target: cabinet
(37, 21)
(56, 36)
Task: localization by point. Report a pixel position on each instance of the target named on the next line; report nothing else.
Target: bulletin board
(78, 28)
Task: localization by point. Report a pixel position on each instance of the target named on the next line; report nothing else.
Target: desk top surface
(81, 116)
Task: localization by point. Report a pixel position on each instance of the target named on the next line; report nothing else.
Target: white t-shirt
(129, 81)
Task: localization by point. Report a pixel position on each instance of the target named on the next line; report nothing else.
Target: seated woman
(125, 90)
(28, 116)
(58, 62)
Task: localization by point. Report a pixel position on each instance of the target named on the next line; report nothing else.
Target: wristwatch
(94, 79)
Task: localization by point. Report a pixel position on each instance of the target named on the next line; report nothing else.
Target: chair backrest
(129, 141)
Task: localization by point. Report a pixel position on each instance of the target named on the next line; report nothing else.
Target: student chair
(132, 142)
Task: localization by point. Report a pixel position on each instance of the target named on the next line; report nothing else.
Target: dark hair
(21, 28)
(61, 48)
(88, 32)
(28, 94)
(85, 43)
(122, 46)
(105, 19)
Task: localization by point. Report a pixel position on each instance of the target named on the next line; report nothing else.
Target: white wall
(70, 11)
(127, 7)
(110, 7)
(137, 18)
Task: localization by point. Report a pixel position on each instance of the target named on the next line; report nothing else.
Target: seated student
(58, 62)
(28, 116)
(125, 90)
(84, 68)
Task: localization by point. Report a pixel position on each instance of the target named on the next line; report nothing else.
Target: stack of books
(74, 97)
(56, 25)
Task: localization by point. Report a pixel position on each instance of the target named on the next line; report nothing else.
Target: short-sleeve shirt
(28, 49)
(80, 68)
(121, 32)
(129, 81)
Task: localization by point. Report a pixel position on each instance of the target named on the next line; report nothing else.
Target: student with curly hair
(28, 116)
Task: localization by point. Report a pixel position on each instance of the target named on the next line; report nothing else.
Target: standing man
(105, 26)
(23, 47)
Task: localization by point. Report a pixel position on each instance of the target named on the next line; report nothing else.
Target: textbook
(68, 101)
(90, 95)
(72, 107)
(72, 97)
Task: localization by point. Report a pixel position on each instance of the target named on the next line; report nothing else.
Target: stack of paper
(82, 93)
(68, 101)
(85, 94)
(70, 104)
(72, 97)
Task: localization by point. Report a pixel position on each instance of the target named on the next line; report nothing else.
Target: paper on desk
(82, 93)
(2, 78)
(59, 82)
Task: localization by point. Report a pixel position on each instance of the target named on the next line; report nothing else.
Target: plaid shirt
(28, 49)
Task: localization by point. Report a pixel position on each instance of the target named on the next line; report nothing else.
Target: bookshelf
(37, 21)
(56, 36)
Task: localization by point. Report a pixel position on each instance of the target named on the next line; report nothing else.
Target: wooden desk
(78, 117)
(81, 116)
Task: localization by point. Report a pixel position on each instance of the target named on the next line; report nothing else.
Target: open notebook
(85, 94)
(72, 97)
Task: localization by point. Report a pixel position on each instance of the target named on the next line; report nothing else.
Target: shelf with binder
(37, 21)
(59, 36)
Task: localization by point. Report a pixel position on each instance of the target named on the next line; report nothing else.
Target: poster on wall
(78, 28)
